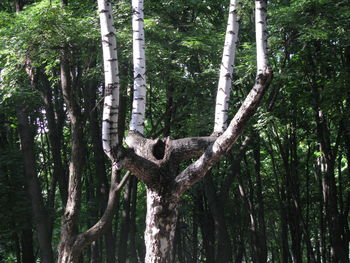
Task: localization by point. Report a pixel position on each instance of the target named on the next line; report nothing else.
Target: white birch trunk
(226, 70)
(261, 36)
(195, 171)
(160, 227)
(111, 72)
(139, 101)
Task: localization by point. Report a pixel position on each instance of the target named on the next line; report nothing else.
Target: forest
(184, 131)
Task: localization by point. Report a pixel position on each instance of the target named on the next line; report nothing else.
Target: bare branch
(100, 227)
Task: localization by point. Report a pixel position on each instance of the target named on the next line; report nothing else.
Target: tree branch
(100, 227)
(187, 148)
(194, 172)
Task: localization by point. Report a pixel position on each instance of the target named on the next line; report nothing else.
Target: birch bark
(226, 70)
(160, 227)
(197, 170)
(261, 36)
(111, 72)
(139, 101)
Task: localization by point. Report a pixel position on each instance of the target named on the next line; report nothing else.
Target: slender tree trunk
(27, 244)
(224, 247)
(40, 216)
(139, 101)
(194, 236)
(55, 135)
(125, 225)
(226, 69)
(339, 245)
(94, 251)
(18, 5)
(260, 200)
(100, 168)
(132, 249)
(206, 225)
(66, 254)
(284, 226)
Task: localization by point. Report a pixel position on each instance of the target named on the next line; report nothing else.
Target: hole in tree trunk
(159, 149)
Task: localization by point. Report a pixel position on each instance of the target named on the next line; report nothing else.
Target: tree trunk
(27, 244)
(338, 242)
(55, 135)
(226, 70)
(40, 216)
(18, 5)
(207, 226)
(70, 217)
(224, 248)
(132, 249)
(139, 100)
(160, 226)
(125, 225)
(260, 200)
(100, 168)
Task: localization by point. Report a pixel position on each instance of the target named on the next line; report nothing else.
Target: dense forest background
(282, 194)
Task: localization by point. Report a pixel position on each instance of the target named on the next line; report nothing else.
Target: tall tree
(156, 162)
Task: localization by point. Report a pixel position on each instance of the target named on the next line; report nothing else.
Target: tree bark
(226, 70)
(160, 226)
(139, 99)
(18, 5)
(55, 135)
(112, 85)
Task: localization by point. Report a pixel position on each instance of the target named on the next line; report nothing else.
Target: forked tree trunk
(162, 211)
(156, 162)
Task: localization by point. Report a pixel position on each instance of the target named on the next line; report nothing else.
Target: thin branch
(100, 227)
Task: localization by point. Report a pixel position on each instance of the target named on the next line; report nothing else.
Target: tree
(281, 194)
(156, 162)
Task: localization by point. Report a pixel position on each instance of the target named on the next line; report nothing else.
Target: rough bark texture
(160, 226)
